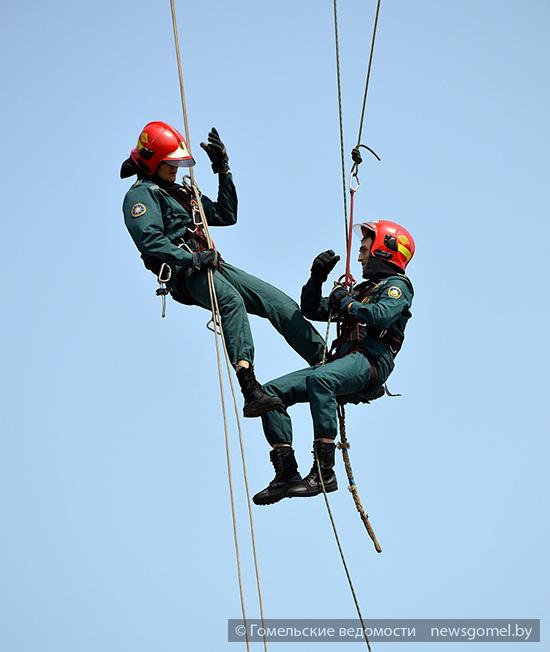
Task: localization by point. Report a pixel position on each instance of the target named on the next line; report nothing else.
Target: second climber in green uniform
(371, 325)
(159, 214)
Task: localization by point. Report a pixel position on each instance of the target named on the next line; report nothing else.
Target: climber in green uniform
(164, 223)
(371, 324)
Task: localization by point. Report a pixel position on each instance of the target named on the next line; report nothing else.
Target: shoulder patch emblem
(138, 210)
(394, 292)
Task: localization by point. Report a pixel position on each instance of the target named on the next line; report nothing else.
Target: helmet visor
(363, 230)
(180, 157)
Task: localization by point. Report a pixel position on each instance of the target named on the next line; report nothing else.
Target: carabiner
(346, 280)
(217, 329)
(354, 182)
(164, 268)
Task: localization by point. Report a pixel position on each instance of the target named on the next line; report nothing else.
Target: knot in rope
(356, 155)
(357, 160)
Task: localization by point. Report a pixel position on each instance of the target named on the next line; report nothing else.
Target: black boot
(286, 476)
(311, 485)
(256, 401)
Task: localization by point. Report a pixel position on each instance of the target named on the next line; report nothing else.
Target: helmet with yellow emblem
(160, 142)
(391, 241)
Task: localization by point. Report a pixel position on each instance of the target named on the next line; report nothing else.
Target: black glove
(205, 259)
(216, 152)
(339, 299)
(323, 265)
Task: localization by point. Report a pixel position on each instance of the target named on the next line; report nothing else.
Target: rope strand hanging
(216, 320)
(369, 70)
(356, 154)
(340, 112)
(344, 446)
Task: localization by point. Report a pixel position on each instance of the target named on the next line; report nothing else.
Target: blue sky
(116, 532)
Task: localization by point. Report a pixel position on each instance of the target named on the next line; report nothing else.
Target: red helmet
(160, 142)
(391, 241)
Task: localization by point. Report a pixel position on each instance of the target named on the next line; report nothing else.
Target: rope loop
(357, 160)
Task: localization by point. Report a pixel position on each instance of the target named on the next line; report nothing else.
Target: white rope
(217, 320)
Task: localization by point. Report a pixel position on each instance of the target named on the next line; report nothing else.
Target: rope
(344, 447)
(217, 320)
(349, 281)
(348, 227)
(354, 180)
(367, 80)
(212, 292)
(327, 335)
(340, 116)
(329, 509)
(216, 313)
(180, 77)
(341, 551)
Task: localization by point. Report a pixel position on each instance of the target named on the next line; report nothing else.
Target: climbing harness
(219, 335)
(351, 332)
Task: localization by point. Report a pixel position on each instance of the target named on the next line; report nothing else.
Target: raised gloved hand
(339, 299)
(216, 152)
(205, 259)
(323, 265)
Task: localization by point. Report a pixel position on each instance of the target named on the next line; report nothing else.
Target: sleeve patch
(394, 292)
(138, 210)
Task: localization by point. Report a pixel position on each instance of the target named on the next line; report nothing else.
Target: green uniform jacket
(385, 309)
(157, 222)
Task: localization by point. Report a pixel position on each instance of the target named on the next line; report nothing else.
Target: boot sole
(311, 494)
(257, 412)
(270, 501)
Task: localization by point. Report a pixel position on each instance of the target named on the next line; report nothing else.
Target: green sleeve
(312, 303)
(143, 219)
(386, 309)
(222, 212)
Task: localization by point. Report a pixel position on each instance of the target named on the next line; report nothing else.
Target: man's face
(364, 250)
(167, 172)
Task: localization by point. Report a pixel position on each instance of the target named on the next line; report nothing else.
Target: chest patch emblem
(138, 210)
(394, 292)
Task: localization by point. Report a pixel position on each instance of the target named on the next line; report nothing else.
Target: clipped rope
(349, 281)
(369, 69)
(180, 77)
(341, 551)
(340, 113)
(212, 292)
(356, 157)
(216, 319)
(331, 516)
(220, 333)
(344, 447)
